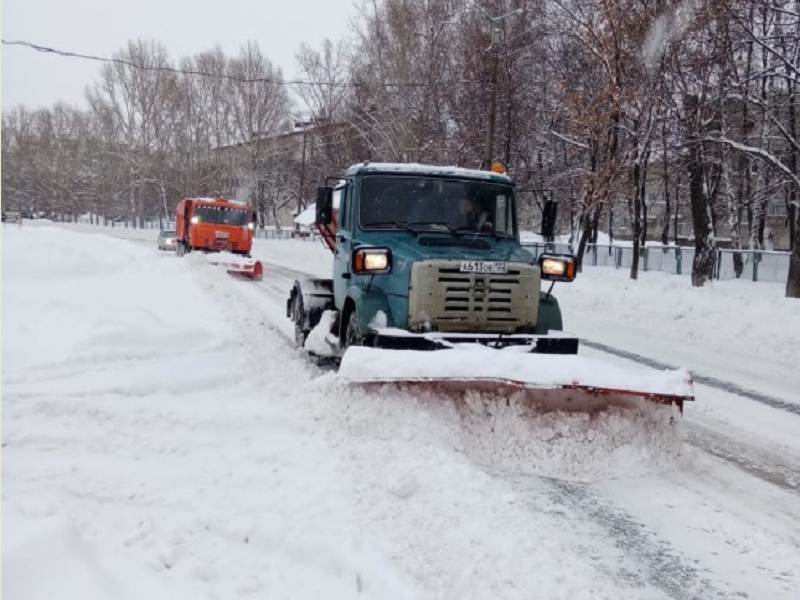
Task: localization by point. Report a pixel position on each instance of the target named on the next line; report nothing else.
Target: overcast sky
(185, 27)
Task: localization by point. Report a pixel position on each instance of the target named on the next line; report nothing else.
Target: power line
(134, 65)
(168, 69)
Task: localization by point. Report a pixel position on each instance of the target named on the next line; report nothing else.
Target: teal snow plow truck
(429, 258)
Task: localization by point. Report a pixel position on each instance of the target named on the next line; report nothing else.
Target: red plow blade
(240, 266)
(554, 382)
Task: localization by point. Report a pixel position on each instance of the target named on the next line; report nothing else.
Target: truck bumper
(398, 339)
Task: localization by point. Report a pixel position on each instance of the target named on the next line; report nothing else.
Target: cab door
(343, 246)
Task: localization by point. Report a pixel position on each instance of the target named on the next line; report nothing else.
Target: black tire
(352, 334)
(300, 334)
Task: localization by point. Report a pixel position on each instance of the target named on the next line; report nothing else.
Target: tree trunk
(667, 208)
(636, 212)
(704, 247)
(793, 280)
(677, 211)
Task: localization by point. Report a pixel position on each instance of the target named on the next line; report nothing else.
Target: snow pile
(620, 441)
(320, 340)
(513, 434)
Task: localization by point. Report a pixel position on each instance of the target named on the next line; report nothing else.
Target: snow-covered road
(163, 438)
(714, 451)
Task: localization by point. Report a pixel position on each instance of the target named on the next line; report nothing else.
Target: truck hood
(410, 248)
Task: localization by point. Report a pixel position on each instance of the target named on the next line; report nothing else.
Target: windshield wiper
(471, 229)
(399, 224)
(439, 223)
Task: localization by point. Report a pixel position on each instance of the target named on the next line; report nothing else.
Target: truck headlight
(195, 220)
(371, 261)
(557, 267)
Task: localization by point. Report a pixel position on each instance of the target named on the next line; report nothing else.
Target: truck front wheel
(353, 335)
(300, 334)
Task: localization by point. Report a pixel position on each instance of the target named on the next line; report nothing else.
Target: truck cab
(428, 256)
(213, 225)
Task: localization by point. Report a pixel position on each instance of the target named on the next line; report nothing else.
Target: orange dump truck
(218, 225)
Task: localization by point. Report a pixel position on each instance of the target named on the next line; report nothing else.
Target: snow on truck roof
(230, 200)
(421, 169)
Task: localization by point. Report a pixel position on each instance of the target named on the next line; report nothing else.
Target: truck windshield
(222, 214)
(438, 204)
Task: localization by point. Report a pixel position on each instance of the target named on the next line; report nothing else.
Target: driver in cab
(472, 217)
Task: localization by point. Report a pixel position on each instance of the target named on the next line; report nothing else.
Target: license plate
(222, 235)
(481, 266)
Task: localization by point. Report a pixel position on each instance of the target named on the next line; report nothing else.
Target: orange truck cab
(214, 225)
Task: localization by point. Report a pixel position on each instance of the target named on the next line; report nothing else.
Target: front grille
(441, 298)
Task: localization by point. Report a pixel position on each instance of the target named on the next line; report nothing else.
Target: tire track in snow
(755, 461)
(659, 563)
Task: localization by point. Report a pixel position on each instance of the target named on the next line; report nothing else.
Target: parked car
(12, 216)
(167, 239)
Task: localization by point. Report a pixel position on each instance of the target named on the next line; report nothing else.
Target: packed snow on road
(162, 437)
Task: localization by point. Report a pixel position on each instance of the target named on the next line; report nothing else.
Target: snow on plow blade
(554, 382)
(241, 266)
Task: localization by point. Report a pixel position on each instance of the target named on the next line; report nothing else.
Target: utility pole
(487, 161)
(495, 30)
(302, 174)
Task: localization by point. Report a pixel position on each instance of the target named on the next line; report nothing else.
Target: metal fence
(757, 265)
(266, 234)
(275, 234)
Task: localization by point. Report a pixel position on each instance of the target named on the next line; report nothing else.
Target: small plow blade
(240, 266)
(553, 382)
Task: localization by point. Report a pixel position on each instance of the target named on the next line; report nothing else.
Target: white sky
(102, 27)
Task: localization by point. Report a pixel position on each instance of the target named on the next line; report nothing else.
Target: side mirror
(324, 206)
(549, 220)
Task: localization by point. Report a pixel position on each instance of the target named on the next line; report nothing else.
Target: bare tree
(132, 94)
(328, 140)
(259, 112)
